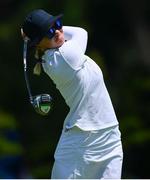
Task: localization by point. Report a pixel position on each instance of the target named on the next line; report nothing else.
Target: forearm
(78, 34)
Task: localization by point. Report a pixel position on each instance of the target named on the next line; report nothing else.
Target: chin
(60, 42)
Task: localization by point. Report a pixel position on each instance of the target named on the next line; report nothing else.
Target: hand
(24, 35)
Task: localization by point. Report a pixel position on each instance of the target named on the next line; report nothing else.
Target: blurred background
(119, 41)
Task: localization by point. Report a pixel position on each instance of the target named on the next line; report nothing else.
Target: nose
(57, 31)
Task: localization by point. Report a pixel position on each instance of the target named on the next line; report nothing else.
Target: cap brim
(55, 18)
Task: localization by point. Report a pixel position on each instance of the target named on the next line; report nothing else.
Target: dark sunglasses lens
(58, 24)
(51, 32)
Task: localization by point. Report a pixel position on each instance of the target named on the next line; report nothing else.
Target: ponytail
(37, 68)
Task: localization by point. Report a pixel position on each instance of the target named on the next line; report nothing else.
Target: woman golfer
(90, 145)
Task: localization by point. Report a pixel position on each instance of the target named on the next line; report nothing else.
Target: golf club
(42, 103)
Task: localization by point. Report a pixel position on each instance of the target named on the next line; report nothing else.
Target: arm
(76, 34)
(74, 48)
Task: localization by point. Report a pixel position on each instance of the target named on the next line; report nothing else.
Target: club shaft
(25, 69)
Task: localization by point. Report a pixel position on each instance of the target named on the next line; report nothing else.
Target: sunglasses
(57, 25)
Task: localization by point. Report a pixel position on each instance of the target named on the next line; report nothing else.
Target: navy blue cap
(36, 25)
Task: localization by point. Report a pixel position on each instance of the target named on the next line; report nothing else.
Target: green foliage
(9, 148)
(7, 145)
(7, 121)
(133, 132)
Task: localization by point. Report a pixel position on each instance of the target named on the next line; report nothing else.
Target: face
(55, 42)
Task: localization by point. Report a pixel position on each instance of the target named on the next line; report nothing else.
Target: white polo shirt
(80, 81)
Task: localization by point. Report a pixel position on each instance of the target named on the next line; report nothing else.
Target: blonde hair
(37, 68)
